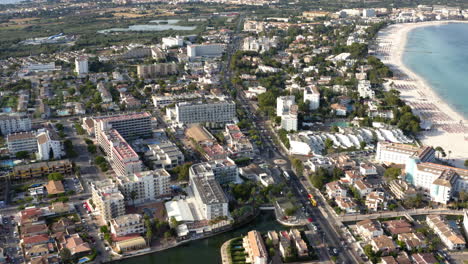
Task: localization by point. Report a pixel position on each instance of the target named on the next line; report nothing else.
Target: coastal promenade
(423, 211)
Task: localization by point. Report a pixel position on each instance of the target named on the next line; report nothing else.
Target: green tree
(466, 163)
(99, 160)
(174, 222)
(55, 176)
(22, 155)
(392, 173)
(66, 256)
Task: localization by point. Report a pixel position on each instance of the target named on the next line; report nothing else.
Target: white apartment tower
(312, 95)
(145, 186)
(212, 111)
(81, 65)
(107, 199)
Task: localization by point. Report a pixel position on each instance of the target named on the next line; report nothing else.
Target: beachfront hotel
(107, 198)
(396, 153)
(439, 181)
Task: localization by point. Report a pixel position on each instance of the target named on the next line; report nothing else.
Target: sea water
(439, 54)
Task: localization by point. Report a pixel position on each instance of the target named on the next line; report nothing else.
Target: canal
(205, 250)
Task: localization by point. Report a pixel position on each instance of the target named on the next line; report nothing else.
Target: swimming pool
(7, 163)
(340, 124)
(83, 260)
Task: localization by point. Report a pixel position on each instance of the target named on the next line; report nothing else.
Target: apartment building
(312, 95)
(238, 144)
(205, 50)
(81, 65)
(155, 70)
(164, 155)
(449, 235)
(41, 169)
(287, 109)
(123, 159)
(127, 224)
(210, 111)
(400, 153)
(144, 186)
(255, 248)
(161, 101)
(210, 198)
(402, 190)
(169, 42)
(223, 171)
(49, 145)
(12, 123)
(107, 198)
(23, 141)
(129, 126)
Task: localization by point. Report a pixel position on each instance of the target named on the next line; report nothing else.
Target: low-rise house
(403, 258)
(77, 246)
(33, 229)
(362, 187)
(31, 241)
(384, 244)
(396, 227)
(388, 260)
(424, 258)
(449, 234)
(367, 169)
(335, 189)
(351, 176)
(37, 250)
(346, 204)
(375, 201)
(369, 229)
(413, 240)
(55, 187)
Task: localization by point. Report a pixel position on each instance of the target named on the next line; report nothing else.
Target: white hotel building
(400, 153)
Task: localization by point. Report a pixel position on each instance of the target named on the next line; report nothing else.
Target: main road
(271, 151)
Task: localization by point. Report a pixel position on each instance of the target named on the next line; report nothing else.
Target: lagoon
(154, 25)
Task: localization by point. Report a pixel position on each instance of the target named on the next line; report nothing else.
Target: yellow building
(41, 169)
(130, 244)
(315, 14)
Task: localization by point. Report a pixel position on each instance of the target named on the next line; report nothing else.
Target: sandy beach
(449, 128)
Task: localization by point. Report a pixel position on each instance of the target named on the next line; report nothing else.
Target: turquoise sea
(439, 54)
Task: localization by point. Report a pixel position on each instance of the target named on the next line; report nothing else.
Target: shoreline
(449, 128)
